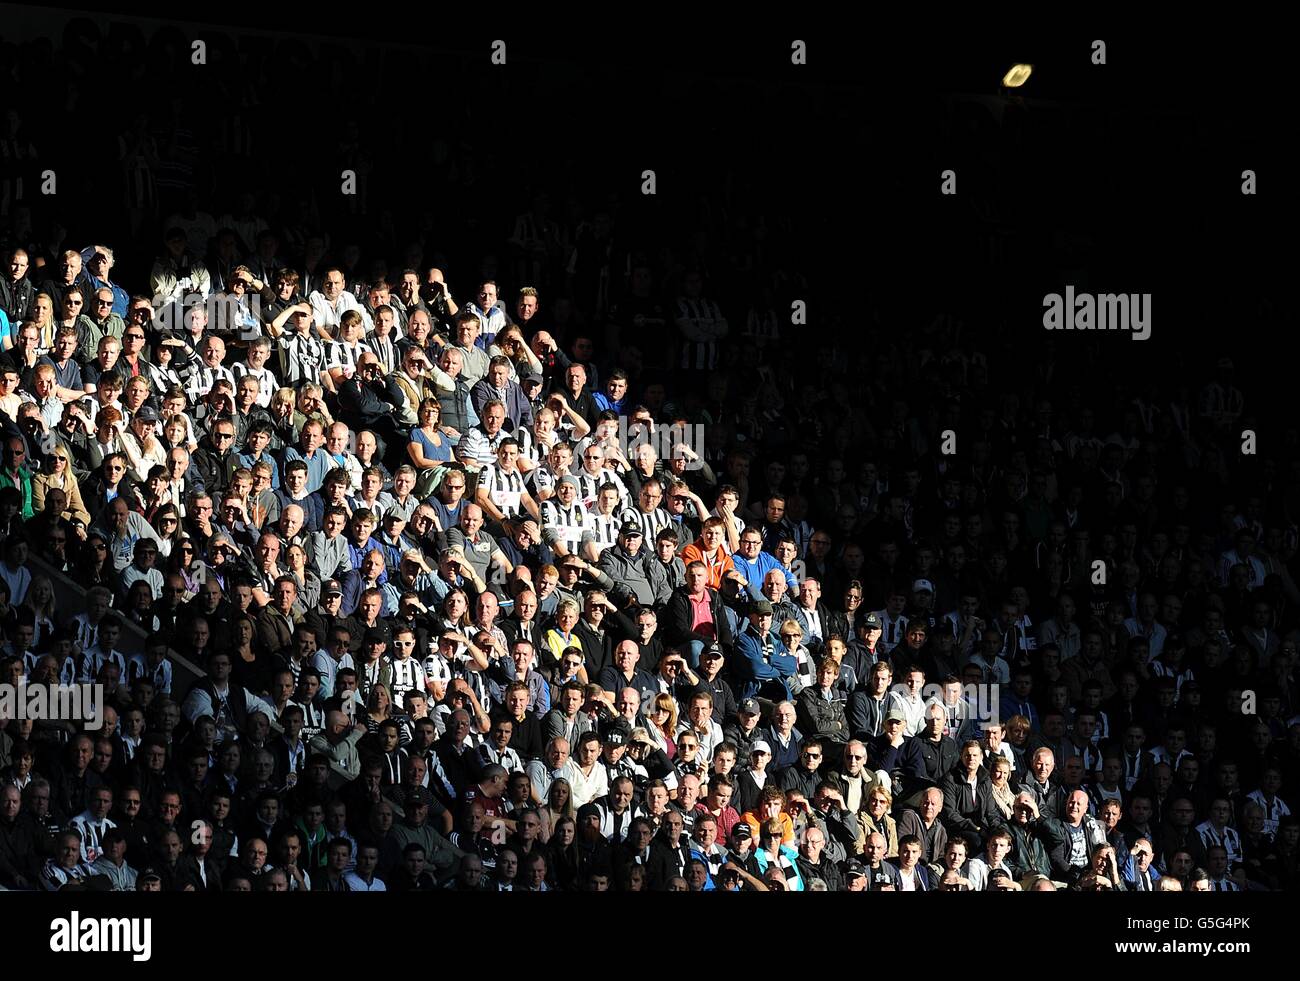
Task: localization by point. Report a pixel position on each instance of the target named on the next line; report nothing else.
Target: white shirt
(358, 884)
(978, 873)
(327, 315)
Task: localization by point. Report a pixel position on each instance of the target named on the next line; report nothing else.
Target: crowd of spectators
(579, 574)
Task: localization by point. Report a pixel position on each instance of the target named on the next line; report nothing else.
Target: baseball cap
(713, 650)
(762, 608)
(872, 622)
(741, 830)
(375, 635)
(533, 380)
(331, 588)
(896, 713)
(854, 870)
(923, 586)
(749, 706)
(760, 746)
(616, 733)
(418, 797)
(147, 413)
(631, 528)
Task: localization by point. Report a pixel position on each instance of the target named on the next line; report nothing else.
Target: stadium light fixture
(1017, 76)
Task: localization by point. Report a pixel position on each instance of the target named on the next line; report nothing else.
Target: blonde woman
(805, 675)
(43, 317)
(40, 600)
(281, 409)
(1000, 777)
(559, 803)
(56, 473)
(875, 817)
(662, 718)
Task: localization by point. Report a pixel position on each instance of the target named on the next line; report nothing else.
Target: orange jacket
(717, 569)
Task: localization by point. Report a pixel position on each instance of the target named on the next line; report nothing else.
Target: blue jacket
(762, 862)
(754, 670)
(783, 757)
(760, 567)
(925, 879)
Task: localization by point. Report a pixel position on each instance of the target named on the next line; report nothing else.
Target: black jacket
(187, 874)
(1051, 803)
(19, 848)
(1028, 851)
(213, 467)
(824, 870)
(866, 715)
(677, 618)
(962, 815)
(659, 865)
(821, 719)
(928, 761)
(725, 707)
(797, 778)
(16, 298)
(362, 405)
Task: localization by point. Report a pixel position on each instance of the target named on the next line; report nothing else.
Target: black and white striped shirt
(301, 359)
(341, 354)
(565, 525)
(505, 490)
(265, 380)
(763, 326)
(203, 378)
(438, 669)
(701, 355)
(541, 480)
(385, 350)
(651, 524)
(510, 759)
(602, 530)
(408, 675)
(588, 485)
(530, 448)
